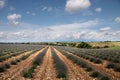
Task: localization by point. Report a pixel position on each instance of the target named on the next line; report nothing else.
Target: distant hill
(102, 44)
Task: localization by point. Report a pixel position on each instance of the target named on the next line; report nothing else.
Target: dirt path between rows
(101, 68)
(46, 70)
(74, 71)
(14, 73)
(15, 57)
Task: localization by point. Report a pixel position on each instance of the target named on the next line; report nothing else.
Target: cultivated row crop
(11, 50)
(37, 61)
(59, 65)
(98, 56)
(5, 66)
(93, 72)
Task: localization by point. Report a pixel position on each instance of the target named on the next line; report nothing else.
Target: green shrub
(91, 59)
(61, 69)
(115, 61)
(38, 60)
(96, 47)
(109, 58)
(18, 60)
(95, 74)
(1, 59)
(83, 45)
(83, 64)
(7, 65)
(23, 57)
(106, 46)
(89, 69)
(14, 62)
(117, 69)
(2, 68)
(110, 65)
(26, 74)
(97, 61)
(86, 57)
(104, 78)
(62, 75)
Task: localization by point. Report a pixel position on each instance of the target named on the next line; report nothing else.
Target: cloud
(117, 19)
(48, 35)
(2, 3)
(28, 12)
(75, 26)
(77, 5)
(54, 32)
(13, 16)
(105, 29)
(31, 13)
(98, 9)
(13, 19)
(64, 32)
(2, 35)
(45, 8)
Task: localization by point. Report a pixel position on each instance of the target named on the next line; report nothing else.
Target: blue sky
(59, 20)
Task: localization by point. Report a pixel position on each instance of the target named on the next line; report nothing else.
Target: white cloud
(98, 9)
(105, 29)
(13, 19)
(1, 35)
(45, 8)
(55, 32)
(13, 23)
(77, 5)
(48, 35)
(28, 12)
(117, 19)
(74, 31)
(75, 26)
(31, 13)
(2, 3)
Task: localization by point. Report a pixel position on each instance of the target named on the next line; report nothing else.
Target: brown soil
(14, 58)
(14, 73)
(46, 70)
(100, 67)
(74, 71)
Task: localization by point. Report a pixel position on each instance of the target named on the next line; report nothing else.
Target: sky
(59, 20)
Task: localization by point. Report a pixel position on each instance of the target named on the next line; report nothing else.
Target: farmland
(43, 62)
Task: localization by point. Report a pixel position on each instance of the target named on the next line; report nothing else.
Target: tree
(83, 45)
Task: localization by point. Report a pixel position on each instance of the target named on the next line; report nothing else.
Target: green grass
(114, 48)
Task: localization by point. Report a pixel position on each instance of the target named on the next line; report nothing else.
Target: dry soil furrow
(74, 71)
(46, 70)
(101, 68)
(14, 58)
(14, 73)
